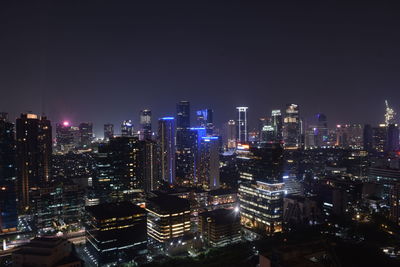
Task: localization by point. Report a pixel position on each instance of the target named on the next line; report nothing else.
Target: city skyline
(161, 54)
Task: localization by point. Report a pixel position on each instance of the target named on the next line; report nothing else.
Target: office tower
(261, 188)
(127, 128)
(118, 171)
(145, 124)
(242, 128)
(166, 143)
(8, 198)
(183, 115)
(205, 120)
(208, 163)
(367, 138)
(67, 137)
(220, 227)
(46, 251)
(85, 134)
(58, 205)
(292, 127)
(392, 143)
(379, 138)
(276, 122)
(108, 131)
(34, 149)
(168, 217)
(389, 115)
(115, 233)
(231, 136)
(148, 165)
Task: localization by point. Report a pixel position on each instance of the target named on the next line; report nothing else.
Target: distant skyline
(103, 62)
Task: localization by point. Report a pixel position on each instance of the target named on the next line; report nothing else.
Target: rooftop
(114, 210)
(168, 203)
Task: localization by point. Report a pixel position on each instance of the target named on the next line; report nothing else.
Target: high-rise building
(292, 127)
(205, 120)
(67, 137)
(394, 199)
(242, 127)
(261, 188)
(166, 143)
(118, 172)
(389, 115)
(379, 138)
(392, 143)
(108, 131)
(208, 163)
(34, 149)
(115, 233)
(220, 227)
(349, 136)
(183, 115)
(168, 217)
(148, 165)
(145, 124)
(85, 134)
(127, 128)
(276, 122)
(8, 198)
(231, 136)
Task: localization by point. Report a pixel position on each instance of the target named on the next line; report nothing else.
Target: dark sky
(104, 61)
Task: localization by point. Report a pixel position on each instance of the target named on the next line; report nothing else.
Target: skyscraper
(230, 132)
(367, 137)
(127, 128)
(392, 143)
(389, 115)
(208, 164)
(205, 120)
(8, 198)
(166, 143)
(242, 128)
(118, 171)
(34, 149)
(276, 122)
(145, 124)
(67, 137)
(108, 131)
(292, 127)
(148, 165)
(261, 188)
(183, 115)
(85, 134)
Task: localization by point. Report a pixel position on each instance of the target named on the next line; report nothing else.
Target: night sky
(104, 61)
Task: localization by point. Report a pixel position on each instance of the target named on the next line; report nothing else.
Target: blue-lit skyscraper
(166, 143)
(205, 119)
(127, 128)
(208, 163)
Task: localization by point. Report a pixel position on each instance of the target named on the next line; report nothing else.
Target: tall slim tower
(389, 115)
(242, 124)
(183, 115)
(276, 122)
(8, 205)
(166, 142)
(208, 165)
(108, 131)
(292, 127)
(34, 149)
(145, 124)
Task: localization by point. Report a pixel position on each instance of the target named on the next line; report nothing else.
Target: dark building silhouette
(145, 124)
(34, 149)
(115, 232)
(392, 141)
(8, 204)
(85, 134)
(108, 131)
(367, 138)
